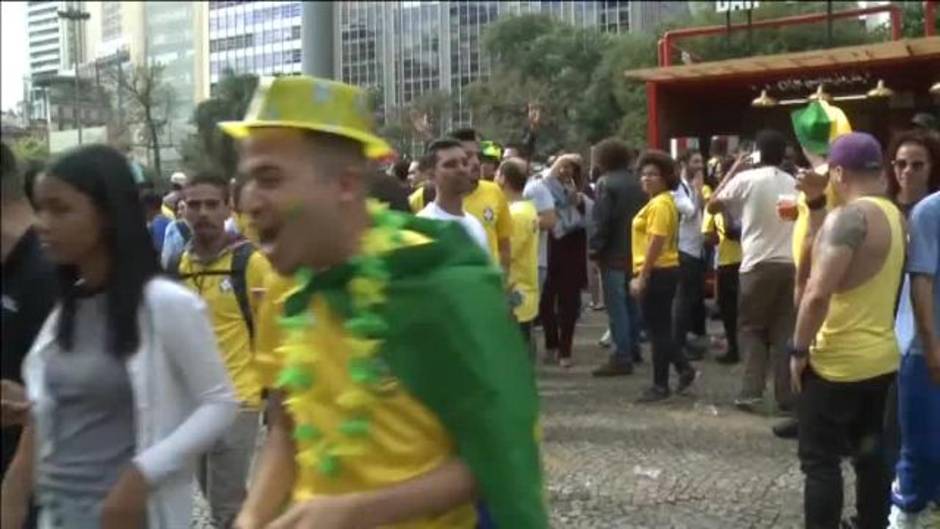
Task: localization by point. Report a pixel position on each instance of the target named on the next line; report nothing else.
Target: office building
(53, 42)
(254, 37)
(406, 49)
(175, 37)
(53, 45)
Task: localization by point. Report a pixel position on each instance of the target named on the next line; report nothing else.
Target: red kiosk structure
(741, 96)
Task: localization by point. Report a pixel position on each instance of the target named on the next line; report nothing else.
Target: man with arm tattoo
(844, 352)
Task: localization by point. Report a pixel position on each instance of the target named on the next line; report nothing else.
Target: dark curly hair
(612, 154)
(665, 163)
(930, 144)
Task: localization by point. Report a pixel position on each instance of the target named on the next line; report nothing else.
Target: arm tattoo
(848, 228)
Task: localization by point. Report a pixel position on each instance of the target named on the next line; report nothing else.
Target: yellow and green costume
(403, 359)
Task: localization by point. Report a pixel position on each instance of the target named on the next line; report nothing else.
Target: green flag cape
(454, 345)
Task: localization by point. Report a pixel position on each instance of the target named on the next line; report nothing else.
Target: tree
(150, 101)
(209, 148)
(577, 75)
(30, 148)
(408, 128)
(544, 62)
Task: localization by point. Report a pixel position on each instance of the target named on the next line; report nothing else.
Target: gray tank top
(87, 435)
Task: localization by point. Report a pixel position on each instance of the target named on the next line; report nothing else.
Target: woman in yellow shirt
(655, 241)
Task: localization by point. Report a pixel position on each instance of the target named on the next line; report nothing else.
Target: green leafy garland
(366, 330)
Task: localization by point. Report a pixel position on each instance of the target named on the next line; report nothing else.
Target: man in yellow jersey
(486, 201)
(424, 192)
(524, 274)
(229, 275)
(724, 231)
(402, 391)
(844, 352)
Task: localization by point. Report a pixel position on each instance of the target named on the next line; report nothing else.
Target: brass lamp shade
(763, 100)
(880, 91)
(935, 89)
(820, 94)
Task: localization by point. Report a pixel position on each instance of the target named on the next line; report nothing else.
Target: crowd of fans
(803, 251)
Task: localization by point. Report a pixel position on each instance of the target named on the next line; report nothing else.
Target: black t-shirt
(29, 292)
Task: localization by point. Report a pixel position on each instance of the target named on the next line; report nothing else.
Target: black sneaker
(787, 429)
(612, 369)
(653, 394)
(686, 379)
(637, 356)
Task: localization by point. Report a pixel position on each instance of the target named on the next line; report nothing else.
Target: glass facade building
(254, 37)
(408, 48)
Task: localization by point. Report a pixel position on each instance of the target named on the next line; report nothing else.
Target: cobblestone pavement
(692, 462)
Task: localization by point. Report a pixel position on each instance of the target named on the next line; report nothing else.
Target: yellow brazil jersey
(658, 217)
(416, 200)
(246, 227)
(801, 225)
(729, 251)
(857, 339)
(524, 268)
(488, 204)
(213, 284)
(406, 440)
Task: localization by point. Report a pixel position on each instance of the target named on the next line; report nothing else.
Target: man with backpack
(228, 274)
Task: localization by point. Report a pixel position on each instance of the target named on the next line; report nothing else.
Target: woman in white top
(125, 378)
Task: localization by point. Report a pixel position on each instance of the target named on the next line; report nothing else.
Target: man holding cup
(767, 271)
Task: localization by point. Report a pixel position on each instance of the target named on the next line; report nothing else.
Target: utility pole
(76, 16)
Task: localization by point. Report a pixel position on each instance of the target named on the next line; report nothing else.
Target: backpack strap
(241, 255)
(173, 266)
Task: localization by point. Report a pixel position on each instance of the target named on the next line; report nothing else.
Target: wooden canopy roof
(927, 48)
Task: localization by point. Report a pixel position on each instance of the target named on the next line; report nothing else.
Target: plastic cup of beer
(787, 208)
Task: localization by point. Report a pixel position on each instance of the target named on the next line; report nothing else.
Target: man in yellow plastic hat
(402, 388)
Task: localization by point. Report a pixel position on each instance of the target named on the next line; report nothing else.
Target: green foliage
(544, 62)
(577, 75)
(208, 149)
(30, 148)
(912, 21)
(423, 119)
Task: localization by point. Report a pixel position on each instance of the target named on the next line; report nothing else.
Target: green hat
(491, 149)
(311, 103)
(812, 126)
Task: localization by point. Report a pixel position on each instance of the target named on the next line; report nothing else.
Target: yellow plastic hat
(310, 103)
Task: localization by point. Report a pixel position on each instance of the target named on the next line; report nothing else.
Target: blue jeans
(918, 470)
(621, 312)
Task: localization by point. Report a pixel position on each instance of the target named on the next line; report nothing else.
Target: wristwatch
(798, 352)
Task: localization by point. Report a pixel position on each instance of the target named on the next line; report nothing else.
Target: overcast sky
(14, 60)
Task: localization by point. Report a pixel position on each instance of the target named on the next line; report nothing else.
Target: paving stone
(692, 462)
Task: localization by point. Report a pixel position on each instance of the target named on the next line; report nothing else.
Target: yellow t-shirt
(416, 200)
(405, 440)
(524, 268)
(488, 204)
(857, 340)
(729, 251)
(227, 321)
(246, 227)
(658, 217)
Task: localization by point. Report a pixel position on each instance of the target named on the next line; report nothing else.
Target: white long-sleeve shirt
(691, 240)
(183, 397)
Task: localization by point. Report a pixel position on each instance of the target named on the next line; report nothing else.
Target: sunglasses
(901, 165)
